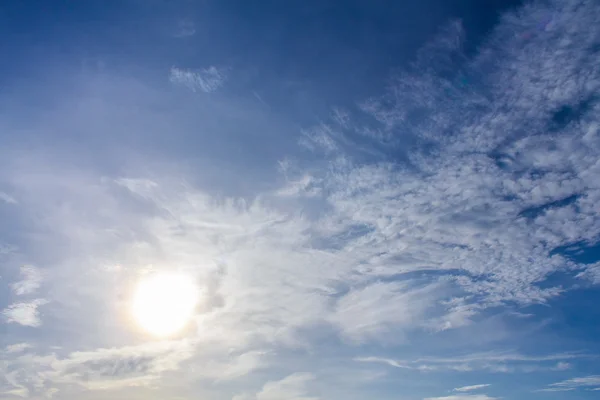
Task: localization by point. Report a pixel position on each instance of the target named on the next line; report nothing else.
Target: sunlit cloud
(407, 236)
(26, 313)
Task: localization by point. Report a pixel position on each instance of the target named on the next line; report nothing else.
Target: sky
(375, 199)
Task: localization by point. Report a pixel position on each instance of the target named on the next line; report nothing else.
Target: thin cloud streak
(463, 397)
(592, 382)
(496, 362)
(471, 388)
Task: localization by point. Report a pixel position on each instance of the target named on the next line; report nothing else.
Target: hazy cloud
(26, 314)
(292, 387)
(463, 397)
(207, 80)
(32, 280)
(498, 362)
(17, 348)
(7, 198)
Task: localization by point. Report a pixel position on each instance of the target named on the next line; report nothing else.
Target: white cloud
(17, 348)
(233, 366)
(496, 362)
(380, 309)
(371, 249)
(303, 186)
(100, 369)
(556, 389)
(32, 280)
(26, 314)
(562, 366)
(276, 271)
(207, 80)
(471, 387)
(11, 387)
(463, 397)
(487, 206)
(292, 387)
(388, 361)
(591, 381)
(137, 366)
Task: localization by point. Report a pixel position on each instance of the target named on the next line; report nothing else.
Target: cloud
(32, 280)
(100, 369)
(377, 248)
(562, 366)
(17, 348)
(135, 366)
(472, 387)
(497, 362)
(501, 177)
(242, 365)
(379, 309)
(207, 80)
(390, 362)
(463, 397)
(292, 387)
(7, 198)
(120, 367)
(591, 381)
(490, 203)
(185, 29)
(303, 186)
(556, 390)
(11, 387)
(26, 314)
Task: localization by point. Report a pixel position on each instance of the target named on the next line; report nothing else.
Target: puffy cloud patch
(26, 314)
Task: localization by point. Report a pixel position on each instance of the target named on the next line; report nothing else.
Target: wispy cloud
(17, 348)
(502, 362)
(207, 80)
(589, 382)
(292, 387)
(7, 198)
(373, 312)
(26, 314)
(390, 362)
(185, 28)
(32, 280)
(101, 369)
(364, 249)
(476, 207)
(463, 397)
(471, 387)
(464, 212)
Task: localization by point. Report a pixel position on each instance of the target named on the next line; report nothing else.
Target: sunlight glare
(164, 303)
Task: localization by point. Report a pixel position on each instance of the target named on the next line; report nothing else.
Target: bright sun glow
(164, 303)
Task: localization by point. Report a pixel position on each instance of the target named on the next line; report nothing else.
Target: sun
(164, 303)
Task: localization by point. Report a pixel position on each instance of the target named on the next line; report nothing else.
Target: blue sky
(375, 199)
